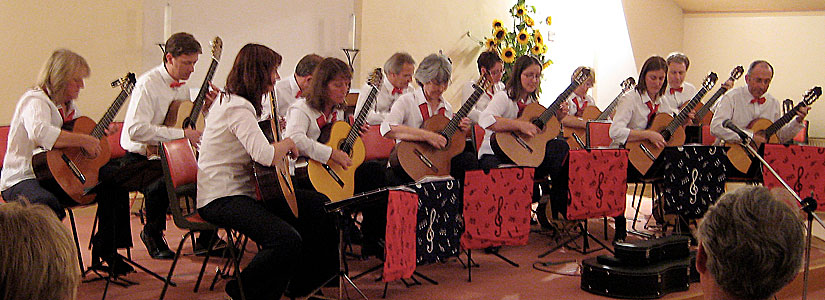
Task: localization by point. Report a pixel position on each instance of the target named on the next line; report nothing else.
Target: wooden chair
(378, 147)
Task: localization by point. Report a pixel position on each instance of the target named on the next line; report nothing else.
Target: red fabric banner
(497, 207)
(802, 168)
(598, 183)
(402, 212)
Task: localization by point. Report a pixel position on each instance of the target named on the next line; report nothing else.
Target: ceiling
(702, 6)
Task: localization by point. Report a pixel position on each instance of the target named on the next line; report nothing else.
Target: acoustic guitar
(703, 114)
(274, 183)
(189, 112)
(419, 159)
(332, 180)
(72, 168)
(740, 157)
(643, 153)
(574, 136)
(529, 151)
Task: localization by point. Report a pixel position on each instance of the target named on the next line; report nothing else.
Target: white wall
(792, 42)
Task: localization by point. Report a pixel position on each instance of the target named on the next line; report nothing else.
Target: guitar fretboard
(100, 129)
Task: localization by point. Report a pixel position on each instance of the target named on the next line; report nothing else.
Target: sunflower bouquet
(524, 39)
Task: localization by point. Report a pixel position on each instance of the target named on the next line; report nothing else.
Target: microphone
(729, 125)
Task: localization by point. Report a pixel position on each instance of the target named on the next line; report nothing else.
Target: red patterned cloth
(497, 207)
(402, 211)
(598, 183)
(802, 168)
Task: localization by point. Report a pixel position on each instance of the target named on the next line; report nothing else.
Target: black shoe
(114, 264)
(233, 289)
(218, 250)
(156, 246)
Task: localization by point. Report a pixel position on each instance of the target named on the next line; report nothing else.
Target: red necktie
(521, 106)
(322, 119)
(425, 111)
(653, 110)
(176, 84)
(674, 90)
(66, 117)
(298, 94)
(579, 109)
(396, 90)
(760, 100)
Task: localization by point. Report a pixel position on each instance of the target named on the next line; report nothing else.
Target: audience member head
(652, 77)
(677, 66)
(180, 55)
(399, 69)
(304, 69)
(61, 77)
(253, 73)
(38, 259)
(330, 84)
(525, 79)
(433, 75)
(759, 77)
(750, 245)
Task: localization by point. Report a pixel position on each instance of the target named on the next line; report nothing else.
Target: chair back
(114, 140)
(707, 137)
(478, 134)
(4, 140)
(802, 136)
(377, 146)
(598, 134)
(180, 172)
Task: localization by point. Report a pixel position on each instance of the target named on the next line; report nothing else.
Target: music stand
(808, 205)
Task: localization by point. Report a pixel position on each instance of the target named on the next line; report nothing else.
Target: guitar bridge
(521, 142)
(425, 160)
(647, 152)
(75, 170)
(334, 175)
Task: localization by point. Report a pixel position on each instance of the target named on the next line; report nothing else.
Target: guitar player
(744, 104)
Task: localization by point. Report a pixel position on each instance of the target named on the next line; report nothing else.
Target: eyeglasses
(531, 76)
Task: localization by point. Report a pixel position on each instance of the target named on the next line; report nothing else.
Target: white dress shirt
(631, 114)
(406, 111)
(285, 92)
(147, 110)
(575, 108)
(677, 99)
(230, 142)
(383, 101)
(302, 127)
(501, 106)
(36, 124)
(736, 105)
(467, 90)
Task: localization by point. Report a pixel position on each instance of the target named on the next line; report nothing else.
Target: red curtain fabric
(598, 183)
(497, 207)
(802, 168)
(402, 211)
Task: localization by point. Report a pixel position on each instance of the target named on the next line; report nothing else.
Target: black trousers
(134, 172)
(300, 251)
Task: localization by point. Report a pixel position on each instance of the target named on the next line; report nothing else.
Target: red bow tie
(397, 91)
(674, 90)
(298, 95)
(176, 84)
(760, 100)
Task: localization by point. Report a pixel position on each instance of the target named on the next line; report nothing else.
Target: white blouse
(501, 106)
(302, 127)
(467, 90)
(407, 111)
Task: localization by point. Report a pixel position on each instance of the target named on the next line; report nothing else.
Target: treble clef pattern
(802, 167)
(797, 187)
(599, 191)
(597, 183)
(430, 232)
(694, 190)
(497, 207)
(439, 222)
(499, 220)
(688, 191)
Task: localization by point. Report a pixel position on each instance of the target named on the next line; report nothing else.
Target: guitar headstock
(737, 72)
(126, 82)
(483, 82)
(217, 48)
(811, 95)
(375, 78)
(581, 76)
(709, 81)
(628, 84)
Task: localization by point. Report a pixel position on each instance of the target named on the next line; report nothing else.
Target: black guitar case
(649, 282)
(644, 253)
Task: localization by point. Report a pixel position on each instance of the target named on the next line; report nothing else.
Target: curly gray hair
(434, 67)
(753, 243)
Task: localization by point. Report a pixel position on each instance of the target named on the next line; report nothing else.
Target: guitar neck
(553, 108)
(100, 129)
(451, 127)
(683, 114)
(610, 108)
(198, 104)
(706, 108)
(359, 121)
(771, 130)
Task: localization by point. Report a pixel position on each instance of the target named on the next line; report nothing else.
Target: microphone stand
(808, 206)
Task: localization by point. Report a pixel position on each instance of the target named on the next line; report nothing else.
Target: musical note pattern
(402, 209)
(802, 167)
(694, 177)
(598, 183)
(497, 207)
(439, 221)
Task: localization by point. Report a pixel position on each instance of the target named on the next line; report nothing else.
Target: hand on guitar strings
(759, 138)
(90, 145)
(436, 140)
(340, 158)
(564, 110)
(465, 124)
(527, 128)
(364, 128)
(210, 97)
(193, 136)
(801, 113)
(655, 138)
(283, 148)
(728, 84)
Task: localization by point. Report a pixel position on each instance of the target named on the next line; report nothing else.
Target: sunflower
(538, 38)
(520, 11)
(529, 21)
(549, 20)
(508, 55)
(499, 33)
(536, 49)
(546, 64)
(523, 37)
(491, 43)
(497, 23)
(543, 48)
